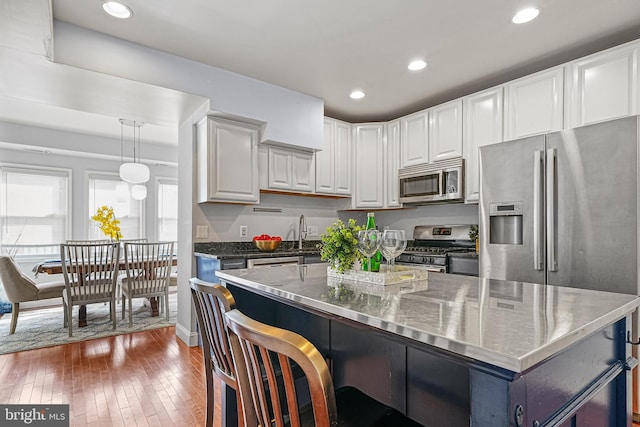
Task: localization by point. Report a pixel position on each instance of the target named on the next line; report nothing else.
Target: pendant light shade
(139, 192)
(133, 172)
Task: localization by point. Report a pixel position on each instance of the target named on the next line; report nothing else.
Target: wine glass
(368, 243)
(392, 244)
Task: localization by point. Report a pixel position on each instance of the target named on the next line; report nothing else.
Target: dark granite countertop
(235, 250)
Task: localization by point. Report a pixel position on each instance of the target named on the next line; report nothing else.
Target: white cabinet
(445, 131)
(290, 170)
(369, 167)
(482, 126)
(534, 104)
(227, 161)
(414, 143)
(334, 162)
(603, 86)
(392, 164)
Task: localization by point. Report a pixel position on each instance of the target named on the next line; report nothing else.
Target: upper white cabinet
(603, 86)
(369, 166)
(334, 162)
(445, 131)
(290, 170)
(414, 139)
(482, 126)
(227, 161)
(534, 104)
(392, 164)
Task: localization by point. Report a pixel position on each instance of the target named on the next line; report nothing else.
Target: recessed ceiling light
(357, 94)
(117, 9)
(525, 15)
(417, 65)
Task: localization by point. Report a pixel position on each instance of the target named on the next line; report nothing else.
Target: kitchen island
(453, 350)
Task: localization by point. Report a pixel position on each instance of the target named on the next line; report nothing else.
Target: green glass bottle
(376, 259)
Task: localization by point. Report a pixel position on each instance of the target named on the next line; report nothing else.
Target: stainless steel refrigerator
(562, 208)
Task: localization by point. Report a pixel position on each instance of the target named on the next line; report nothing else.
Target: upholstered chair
(20, 288)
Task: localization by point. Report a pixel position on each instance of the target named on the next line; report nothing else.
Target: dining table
(55, 267)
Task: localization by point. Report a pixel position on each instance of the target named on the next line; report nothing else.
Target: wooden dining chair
(90, 272)
(147, 266)
(211, 302)
(269, 355)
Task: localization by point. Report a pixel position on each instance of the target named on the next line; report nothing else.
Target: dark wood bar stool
(211, 302)
(269, 384)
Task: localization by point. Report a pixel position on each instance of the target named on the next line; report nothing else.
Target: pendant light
(139, 192)
(133, 172)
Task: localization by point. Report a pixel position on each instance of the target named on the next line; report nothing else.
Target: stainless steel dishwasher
(273, 262)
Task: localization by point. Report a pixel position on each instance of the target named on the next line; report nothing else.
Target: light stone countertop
(512, 325)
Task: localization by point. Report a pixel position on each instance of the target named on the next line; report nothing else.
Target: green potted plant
(339, 245)
(473, 235)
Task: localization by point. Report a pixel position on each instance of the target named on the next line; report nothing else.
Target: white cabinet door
(334, 161)
(303, 171)
(325, 164)
(227, 161)
(534, 104)
(414, 145)
(392, 164)
(603, 86)
(482, 126)
(445, 131)
(291, 170)
(369, 168)
(280, 175)
(344, 159)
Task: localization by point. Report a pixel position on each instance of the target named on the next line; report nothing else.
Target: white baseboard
(188, 337)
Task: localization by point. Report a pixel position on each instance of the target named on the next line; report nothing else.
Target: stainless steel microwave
(437, 182)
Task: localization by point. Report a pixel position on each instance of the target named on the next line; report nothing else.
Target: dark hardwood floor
(147, 378)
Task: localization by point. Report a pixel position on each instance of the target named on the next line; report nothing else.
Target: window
(34, 210)
(103, 190)
(167, 209)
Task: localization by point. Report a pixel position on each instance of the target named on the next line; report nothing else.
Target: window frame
(160, 180)
(41, 170)
(88, 174)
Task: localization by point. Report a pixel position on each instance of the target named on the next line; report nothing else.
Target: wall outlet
(312, 230)
(202, 232)
(244, 231)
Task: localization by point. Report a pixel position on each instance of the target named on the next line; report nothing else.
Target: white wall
(290, 117)
(224, 220)
(407, 219)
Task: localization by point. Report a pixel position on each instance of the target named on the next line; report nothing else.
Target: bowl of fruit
(267, 243)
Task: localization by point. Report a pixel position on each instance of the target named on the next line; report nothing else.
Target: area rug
(44, 327)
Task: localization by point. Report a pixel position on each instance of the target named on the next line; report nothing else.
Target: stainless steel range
(440, 248)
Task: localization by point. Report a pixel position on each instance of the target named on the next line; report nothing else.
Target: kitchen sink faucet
(302, 231)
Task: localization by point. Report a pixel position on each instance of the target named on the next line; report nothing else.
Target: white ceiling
(327, 48)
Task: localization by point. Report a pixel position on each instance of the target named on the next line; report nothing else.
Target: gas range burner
(427, 250)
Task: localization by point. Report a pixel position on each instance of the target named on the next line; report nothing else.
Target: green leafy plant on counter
(473, 232)
(339, 245)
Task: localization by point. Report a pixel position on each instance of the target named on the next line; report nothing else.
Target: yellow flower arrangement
(109, 225)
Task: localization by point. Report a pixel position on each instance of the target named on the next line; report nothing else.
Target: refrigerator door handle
(552, 262)
(538, 253)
